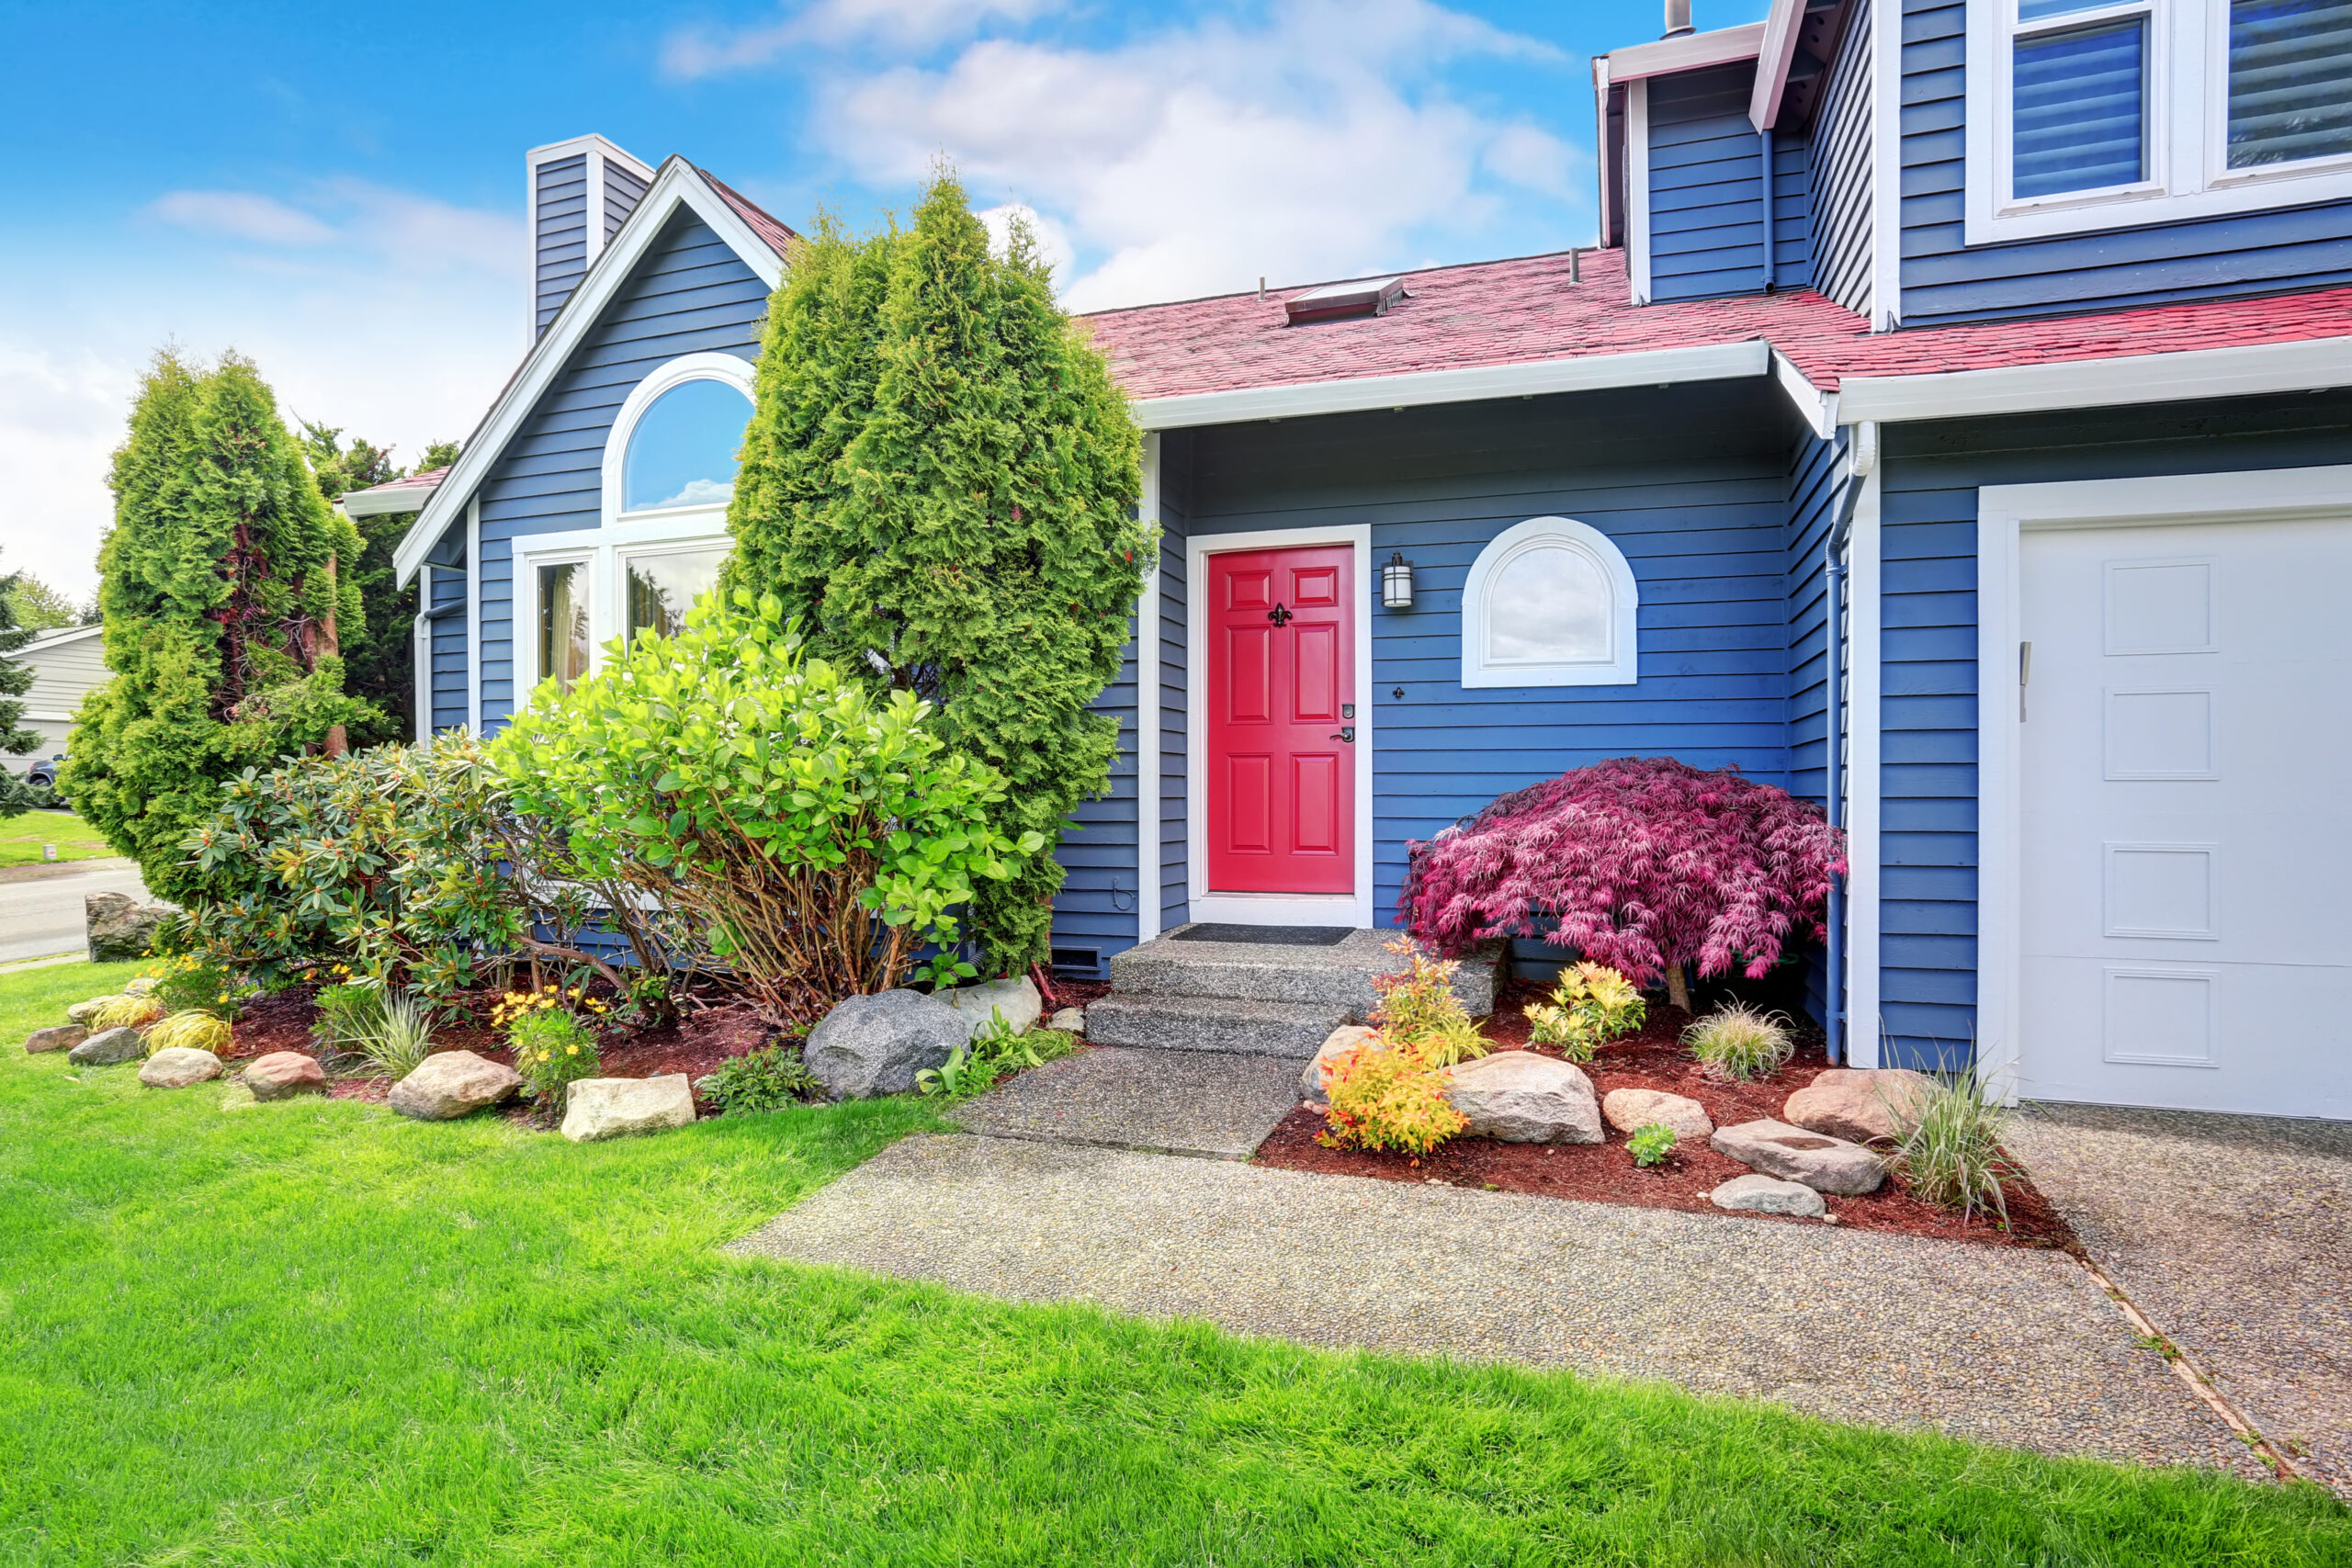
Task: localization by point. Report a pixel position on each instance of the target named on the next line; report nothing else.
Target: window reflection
(662, 588)
(563, 623)
(683, 450)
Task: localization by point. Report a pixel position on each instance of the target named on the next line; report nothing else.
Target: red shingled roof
(776, 235)
(1527, 310)
(424, 479)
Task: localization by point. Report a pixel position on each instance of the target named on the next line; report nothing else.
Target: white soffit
(1692, 51)
(1776, 52)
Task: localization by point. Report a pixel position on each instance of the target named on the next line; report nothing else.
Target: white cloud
(61, 417)
(692, 53)
(1317, 143)
(242, 215)
(1051, 239)
(412, 232)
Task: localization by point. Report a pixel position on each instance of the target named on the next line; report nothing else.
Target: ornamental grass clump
(1644, 865)
(196, 1031)
(1592, 1005)
(121, 1012)
(1418, 1008)
(1387, 1096)
(1738, 1042)
(1949, 1146)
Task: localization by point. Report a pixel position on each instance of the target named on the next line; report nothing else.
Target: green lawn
(22, 837)
(313, 1333)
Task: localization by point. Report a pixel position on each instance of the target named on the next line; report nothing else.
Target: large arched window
(1550, 602)
(682, 450)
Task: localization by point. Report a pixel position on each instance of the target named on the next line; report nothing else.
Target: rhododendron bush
(1640, 864)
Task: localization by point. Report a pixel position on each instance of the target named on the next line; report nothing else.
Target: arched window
(683, 448)
(1550, 602)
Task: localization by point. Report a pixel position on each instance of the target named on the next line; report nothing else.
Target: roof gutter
(2245, 370)
(383, 501)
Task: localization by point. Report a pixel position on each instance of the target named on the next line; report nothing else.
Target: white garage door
(2186, 817)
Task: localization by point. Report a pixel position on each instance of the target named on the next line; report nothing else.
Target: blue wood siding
(1099, 899)
(623, 191)
(1928, 708)
(689, 294)
(1706, 227)
(1691, 482)
(559, 232)
(1944, 280)
(445, 603)
(1839, 166)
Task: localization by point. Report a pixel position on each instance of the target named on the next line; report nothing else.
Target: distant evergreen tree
(940, 481)
(223, 607)
(16, 797)
(379, 665)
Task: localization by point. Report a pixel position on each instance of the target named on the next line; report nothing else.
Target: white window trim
(1623, 665)
(727, 368)
(606, 552)
(2187, 116)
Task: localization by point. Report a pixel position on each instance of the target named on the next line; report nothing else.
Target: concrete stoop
(1248, 998)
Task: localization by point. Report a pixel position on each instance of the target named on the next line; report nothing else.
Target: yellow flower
(572, 1051)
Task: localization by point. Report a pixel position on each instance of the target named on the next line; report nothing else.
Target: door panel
(2184, 935)
(1281, 808)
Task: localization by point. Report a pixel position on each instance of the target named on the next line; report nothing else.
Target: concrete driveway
(41, 906)
(2233, 1236)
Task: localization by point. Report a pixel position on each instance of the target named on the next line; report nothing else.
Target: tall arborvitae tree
(224, 608)
(940, 481)
(16, 797)
(380, 664)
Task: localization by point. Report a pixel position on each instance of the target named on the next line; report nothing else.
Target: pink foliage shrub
(1636, 863)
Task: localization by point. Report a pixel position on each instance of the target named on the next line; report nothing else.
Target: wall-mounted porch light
(1397, 582)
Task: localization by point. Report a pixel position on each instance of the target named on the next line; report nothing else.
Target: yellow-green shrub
(1418, 1008)
(1387, 1096)
(1592, 1005)
(197, 1030)
(135, 1012)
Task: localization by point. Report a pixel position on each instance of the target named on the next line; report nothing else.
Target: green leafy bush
(997, 1051)
(1650, 1145)
(1592, 1005)
(552, 1048)
(1738, 1042)
(1949, 1148)
(1418, 1008)
(822, 837)
(1387, 1096)
(759, 1080)
(191, 982)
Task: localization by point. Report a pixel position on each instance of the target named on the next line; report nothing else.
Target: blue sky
(337, 191)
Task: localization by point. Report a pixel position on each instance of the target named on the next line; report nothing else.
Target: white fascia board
(47, 640)
(1774, 55)
(590, 143)
(374, 504)
(1713, 362)
(2246, 372)
(1818, 409)
(677, 185)
(1692, 51)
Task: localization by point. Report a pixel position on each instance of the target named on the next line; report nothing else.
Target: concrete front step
(1241, 1027)
(1339, 975)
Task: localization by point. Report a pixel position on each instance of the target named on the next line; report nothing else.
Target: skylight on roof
(1337, 301)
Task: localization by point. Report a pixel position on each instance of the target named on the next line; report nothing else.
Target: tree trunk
(337, 741)
(1677, 987)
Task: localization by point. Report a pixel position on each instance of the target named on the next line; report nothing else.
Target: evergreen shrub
(1387, 1095)
(1418, 1008)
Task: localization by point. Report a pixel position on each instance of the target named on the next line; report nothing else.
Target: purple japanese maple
(1638, 863)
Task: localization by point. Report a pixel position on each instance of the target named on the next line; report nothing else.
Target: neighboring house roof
(393, 495)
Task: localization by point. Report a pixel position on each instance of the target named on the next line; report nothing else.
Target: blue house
(1953, 425)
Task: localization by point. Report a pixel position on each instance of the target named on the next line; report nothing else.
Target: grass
(311, 1333)
(22, 837)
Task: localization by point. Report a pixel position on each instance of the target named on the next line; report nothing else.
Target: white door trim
(1148, 710)
(1864, 1029)
(1273, 908)
(2002, 515)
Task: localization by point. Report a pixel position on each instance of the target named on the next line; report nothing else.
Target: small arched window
(1550, 602)
(683, 450)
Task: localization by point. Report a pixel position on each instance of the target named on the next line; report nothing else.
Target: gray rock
(81, 1012)
(1627, 1109)
(108, 1047)
(1768, 1195)
(450, 1084)
(283, 1074)
(1522, 1097)
(176, 1067)
(64, 1037)
(871, 1045)
(1068, 1020)
(139, 985)
(119, 928)
(597, 1109)
(1347, 1037)
(1859, 1104)
(1821, 1162)
(1016, 999)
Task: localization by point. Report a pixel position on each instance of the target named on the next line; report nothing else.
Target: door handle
(1347, 734)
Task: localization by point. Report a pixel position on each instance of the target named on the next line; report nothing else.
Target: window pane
(1549, 604)
(2290, 80)
(563, 623)
(661, 588)
(682, 451)
(2034, 10)
(2079, 109)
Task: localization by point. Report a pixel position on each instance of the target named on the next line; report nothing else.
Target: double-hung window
(668, 472)
(2100, 114)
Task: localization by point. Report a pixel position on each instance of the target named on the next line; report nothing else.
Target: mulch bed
(1605, 1172)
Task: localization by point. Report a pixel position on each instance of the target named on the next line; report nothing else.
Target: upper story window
(2101, 114)
(1550, 602)
(682, 450)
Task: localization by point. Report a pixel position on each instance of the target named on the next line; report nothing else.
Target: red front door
(1281, 675)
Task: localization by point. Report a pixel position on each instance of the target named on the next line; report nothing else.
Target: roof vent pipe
(1677, 18)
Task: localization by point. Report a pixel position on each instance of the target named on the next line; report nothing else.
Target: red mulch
(704, 1036)
(1605, 1173)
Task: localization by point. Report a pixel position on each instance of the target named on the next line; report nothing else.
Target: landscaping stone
(1017, 999)
(1068, 1020)
(1627, 1109)
(176, 1067)
(1347, 1037)
(1821, 1162)
(871, 1045)
(119, 928)
(283, 1074)
(139, 985)
(597, 1109)
(1768, 1195)
(107, 1047)
(81, 1012)
(64, 1037)
(1521, 1097)
(450, 1084)
(1857, 1104)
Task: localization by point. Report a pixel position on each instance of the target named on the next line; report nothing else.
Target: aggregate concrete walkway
(2233, 1235)
(1207, 1103)
(2004, 1346)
